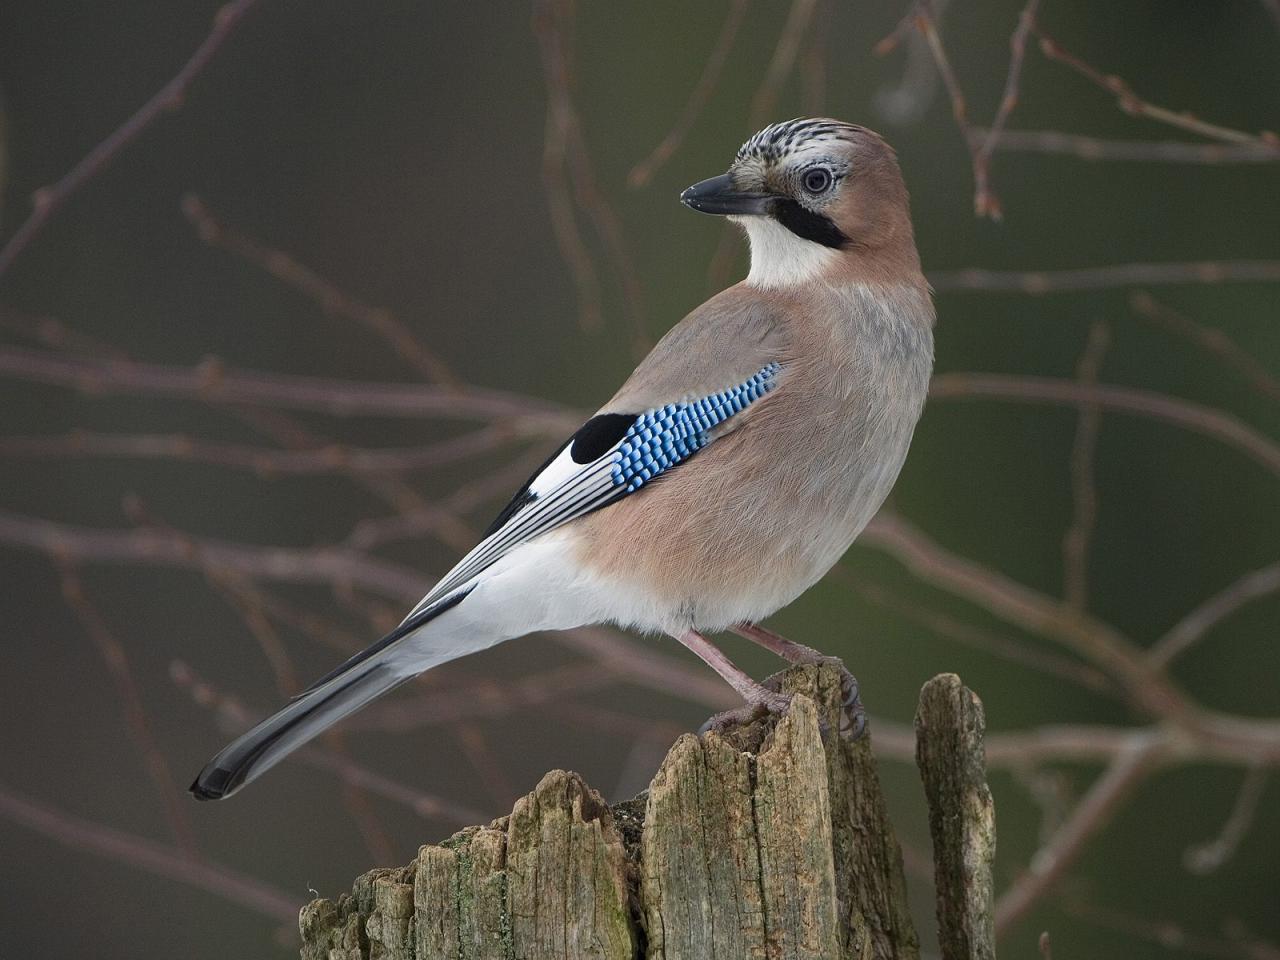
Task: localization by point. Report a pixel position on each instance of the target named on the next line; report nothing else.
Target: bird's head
(820, 200)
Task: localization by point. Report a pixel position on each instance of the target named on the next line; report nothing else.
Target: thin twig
(1084, 491)
(159, 859)
(1170, 936)
(1095, 149)
(1087, 820)
(382, 481)
(486, 698)
(643, 171)
(286, 268)
(1210, 339)
(565, 152)
(1193, 727)
(53, 333)
(327, 565)
(1011, 649)
(1129, 102)
(814, 65)
(244, 599)
(783, 60)
(1099, 642)
(373, 532)
(1207, 421)
(1206, 858)
(213, 383)
(564, 225)
(985, 202)
(266, 462)
(1103, 278)
(122, 676)
(1196, 624)
(47, 201)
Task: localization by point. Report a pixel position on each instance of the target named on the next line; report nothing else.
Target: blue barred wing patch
(664, 437)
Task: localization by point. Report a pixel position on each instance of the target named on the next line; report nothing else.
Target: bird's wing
(710, 366)
(610, 457)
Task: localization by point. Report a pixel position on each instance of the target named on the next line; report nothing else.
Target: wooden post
(770, 841)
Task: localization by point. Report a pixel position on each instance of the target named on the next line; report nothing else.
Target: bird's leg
(854, 721)
(760, 699)
(788, 650)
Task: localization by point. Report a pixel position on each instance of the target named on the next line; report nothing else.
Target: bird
(729, 473)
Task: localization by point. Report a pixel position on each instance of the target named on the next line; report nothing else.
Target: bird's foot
(853, 719)
(759, 704)
(853, 715)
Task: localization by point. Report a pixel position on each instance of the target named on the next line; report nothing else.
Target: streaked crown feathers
(781, 139)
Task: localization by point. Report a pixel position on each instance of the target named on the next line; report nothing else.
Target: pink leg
(854, 721)
(751, 691)
(788, 650)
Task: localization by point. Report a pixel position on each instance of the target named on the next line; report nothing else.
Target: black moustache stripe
(809, 225)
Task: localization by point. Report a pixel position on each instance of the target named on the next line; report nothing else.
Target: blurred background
(449, 198)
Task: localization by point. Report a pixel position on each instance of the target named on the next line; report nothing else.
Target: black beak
(718, 195)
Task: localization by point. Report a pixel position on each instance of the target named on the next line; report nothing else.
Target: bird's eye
(817, 180)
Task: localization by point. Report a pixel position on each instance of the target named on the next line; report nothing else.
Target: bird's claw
(765, 702)
(853, 716)
(852, 724)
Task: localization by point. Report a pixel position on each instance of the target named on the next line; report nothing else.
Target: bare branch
(1084, 493)
(1236, 943)
(1099, 642)
(643, 171)
(1103, 278)
(1088, 819)
(329, 298)
(1210, 339)
(159, 859)
(1191, 728)
(924, 19)
(1055, 142)
(330, 565)
(47, 201)
(985, 202)
(1205, 858)
(266, 462)
(121, 672)
(215, 384)
(783, 60)
(1134, 105)
(1207, 421)
(1191, 628)
(566, 152)
(1012, 649)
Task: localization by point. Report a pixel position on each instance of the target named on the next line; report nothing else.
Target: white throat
(781, 259)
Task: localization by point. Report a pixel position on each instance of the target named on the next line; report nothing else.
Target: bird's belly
(680, 556)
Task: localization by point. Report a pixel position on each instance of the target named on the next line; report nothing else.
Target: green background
(396, 147)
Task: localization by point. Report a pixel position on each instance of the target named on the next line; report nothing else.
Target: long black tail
(257, 751)
(362, 679)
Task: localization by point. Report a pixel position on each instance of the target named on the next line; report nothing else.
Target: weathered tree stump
(951, 755)
(768, 841)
